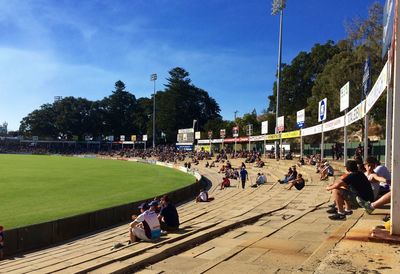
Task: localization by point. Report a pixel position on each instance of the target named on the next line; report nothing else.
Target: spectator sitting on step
(168, 217)
(383, 171)
(346, 189)
(370, 207)
(326, 171)
(291, 175)
(261, 179)
(203, 196)
(146, 226)
(225, 182)
(375, 179)
(298, 183)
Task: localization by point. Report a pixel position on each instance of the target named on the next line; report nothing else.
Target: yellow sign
(272, 137)
(291, 134)
(133, 138)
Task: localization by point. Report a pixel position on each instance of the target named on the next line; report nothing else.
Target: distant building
(3, 128)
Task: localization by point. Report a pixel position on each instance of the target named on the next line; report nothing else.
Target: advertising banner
(334, 124)
(291, 134)
(356, 113)
(272, 137)
(377, 90)
(311, 130)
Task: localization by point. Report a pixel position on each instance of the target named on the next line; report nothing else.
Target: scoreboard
(185, 135)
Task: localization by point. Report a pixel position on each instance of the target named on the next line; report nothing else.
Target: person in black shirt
(169, 218)
(347, 188)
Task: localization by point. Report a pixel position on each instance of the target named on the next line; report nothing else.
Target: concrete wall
(42, 235)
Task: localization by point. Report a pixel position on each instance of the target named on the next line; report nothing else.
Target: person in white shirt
(146, 226)
(203, 196)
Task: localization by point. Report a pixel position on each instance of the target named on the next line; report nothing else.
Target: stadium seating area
(200, 222)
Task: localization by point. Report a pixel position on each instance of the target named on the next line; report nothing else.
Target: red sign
(235, 131)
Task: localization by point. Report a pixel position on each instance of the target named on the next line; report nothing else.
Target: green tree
(40, 122)
(119, 111)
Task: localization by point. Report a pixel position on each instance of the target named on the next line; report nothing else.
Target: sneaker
(337, 216)
(163, 232)
(365, 204)
(348, 212)
(333, 210)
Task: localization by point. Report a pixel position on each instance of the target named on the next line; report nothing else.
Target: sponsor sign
(264, 127)
(311, 130)
(281, 124)
(210, 134)
(133, 138)
(122, 138)
(322, 110)
(300, 118)
(144, 137)
(334, 124)
(291, 134)
(222, 133)
(235, 131)
(203, 147)
(184, 147)
(186, 130)
(249, 129)
(35, 138)
(87, 138)
(110, 138)
(257, 138)
(356, 113)
(197, 135)
(272, 136)
(344, 97)
(377, 90)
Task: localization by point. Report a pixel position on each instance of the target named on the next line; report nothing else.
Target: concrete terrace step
(232, 207)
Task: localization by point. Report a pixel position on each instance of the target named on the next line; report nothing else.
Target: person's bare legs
(336, 195)
(382, 200)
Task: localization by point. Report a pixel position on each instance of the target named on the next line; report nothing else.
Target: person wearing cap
(168, 217)
(346, 189)
(146, 226)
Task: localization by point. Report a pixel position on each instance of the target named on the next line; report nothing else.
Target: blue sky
(81, 48)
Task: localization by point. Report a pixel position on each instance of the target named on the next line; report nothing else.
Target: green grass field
(35, 189)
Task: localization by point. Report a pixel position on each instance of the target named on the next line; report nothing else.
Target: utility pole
(235, 112)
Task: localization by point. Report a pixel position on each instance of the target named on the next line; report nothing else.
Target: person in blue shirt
(244, 176)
